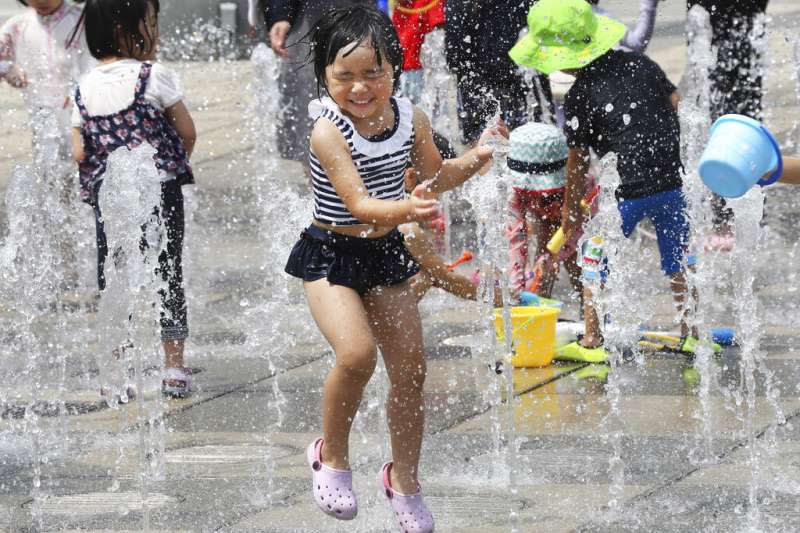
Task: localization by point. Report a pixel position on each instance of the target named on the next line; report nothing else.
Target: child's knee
(356, 362)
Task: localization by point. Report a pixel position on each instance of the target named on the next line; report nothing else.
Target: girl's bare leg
(398, 330)
(574, 270)
(592, 338)
(546, 230)
(341, 318)
(173, 354)
(686, 309)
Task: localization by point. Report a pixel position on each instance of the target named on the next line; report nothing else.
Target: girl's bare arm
(428, 164)
(77, 145)
(791, 170)
(182, 121)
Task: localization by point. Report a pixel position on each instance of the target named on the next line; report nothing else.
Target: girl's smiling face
(358, 84)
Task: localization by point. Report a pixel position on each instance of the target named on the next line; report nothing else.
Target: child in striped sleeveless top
(351, 258)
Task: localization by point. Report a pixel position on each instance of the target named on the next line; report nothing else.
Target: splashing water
(436, 102)
(613, 301)
(694, 112)
(128, 346)
(282, 212)
(38, 272)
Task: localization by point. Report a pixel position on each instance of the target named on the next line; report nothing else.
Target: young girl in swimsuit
(351, 258)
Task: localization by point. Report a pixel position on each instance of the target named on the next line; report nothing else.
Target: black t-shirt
(479, 34)
(620, 103)
(739, 7)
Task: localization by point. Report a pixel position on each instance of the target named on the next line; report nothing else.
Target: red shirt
(413, 19)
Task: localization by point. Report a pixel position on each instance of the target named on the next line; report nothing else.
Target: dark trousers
(480, 95)
(736, 81)
(174, 324)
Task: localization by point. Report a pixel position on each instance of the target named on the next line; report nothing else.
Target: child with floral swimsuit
(125, 101)
(351, 258)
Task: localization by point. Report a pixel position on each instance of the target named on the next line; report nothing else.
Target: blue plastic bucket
(739, 153)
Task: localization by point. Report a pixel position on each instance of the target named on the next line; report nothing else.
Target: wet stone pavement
(641, 457)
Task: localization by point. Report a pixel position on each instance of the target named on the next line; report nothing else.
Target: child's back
(122, 103)
(621, 103)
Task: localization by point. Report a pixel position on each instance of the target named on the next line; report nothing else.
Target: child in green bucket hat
(621, 102)
(565, 34)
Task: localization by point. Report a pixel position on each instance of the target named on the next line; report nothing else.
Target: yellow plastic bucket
(533, 334)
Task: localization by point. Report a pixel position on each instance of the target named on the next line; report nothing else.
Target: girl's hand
(497, 130)
(277, 38)
(424, 206)
(16, 77)
(492, 137)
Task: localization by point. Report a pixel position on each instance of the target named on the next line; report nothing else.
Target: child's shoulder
(17, 22)
(326, 137)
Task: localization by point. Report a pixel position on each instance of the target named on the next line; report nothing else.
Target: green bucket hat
(564, 34)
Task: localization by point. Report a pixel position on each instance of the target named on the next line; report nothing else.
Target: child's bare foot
(591, 340)
(720, 240)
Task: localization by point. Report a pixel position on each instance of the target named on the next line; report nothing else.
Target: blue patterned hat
(537, 158)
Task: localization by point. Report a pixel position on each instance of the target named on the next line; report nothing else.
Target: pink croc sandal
(332, 488)
(410, 511)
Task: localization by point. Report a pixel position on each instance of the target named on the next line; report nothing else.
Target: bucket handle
(778, 171)
(518, 328)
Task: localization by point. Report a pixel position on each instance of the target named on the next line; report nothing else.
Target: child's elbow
(190, 135)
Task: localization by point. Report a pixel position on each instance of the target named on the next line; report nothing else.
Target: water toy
(740, 151)
(567, 332)
(723, 336)
(556, 244)
(691, 377)
(557, 241)
(465, 257)
(593, 371)
(533, 334)
(534, 300)
(574, 352)
(664, 342)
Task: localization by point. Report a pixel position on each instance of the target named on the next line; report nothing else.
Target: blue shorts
(667, 211)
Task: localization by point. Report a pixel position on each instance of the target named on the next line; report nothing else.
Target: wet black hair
(356, 24)
(112, 27)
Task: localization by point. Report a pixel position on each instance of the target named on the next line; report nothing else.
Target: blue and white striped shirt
(381, 162)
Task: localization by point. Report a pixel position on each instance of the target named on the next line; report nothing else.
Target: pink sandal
(410, 511)
(332, 488)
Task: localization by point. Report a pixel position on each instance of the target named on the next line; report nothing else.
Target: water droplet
(244, 302)
(626, 118)
(574, 123)
(609, 107)
(633, 105)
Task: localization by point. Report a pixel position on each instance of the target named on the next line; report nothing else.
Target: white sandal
(175, 383)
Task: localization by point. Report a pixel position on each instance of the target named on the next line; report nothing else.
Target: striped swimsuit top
(381, 161)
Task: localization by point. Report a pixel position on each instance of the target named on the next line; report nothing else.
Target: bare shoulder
(420, 119)
(326, 137)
